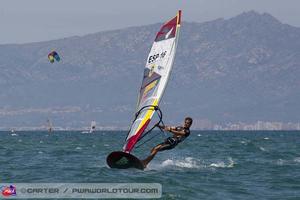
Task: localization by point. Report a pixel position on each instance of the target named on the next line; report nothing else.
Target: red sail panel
(168, 30)
(134, 139)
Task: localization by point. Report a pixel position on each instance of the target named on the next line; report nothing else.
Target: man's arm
(177, 133)
(173, 130)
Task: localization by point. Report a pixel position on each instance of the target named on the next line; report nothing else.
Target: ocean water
(207, 165)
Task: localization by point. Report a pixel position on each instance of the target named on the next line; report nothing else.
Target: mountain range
(245, 69)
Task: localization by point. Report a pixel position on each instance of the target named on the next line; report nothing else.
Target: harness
(175, 140)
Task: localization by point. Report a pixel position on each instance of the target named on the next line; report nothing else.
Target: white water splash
(231, 162)
(297, 160)
(199, 135)
(245, 142)
(266, 138)
(218, 164)
(191, 163)
(14, 134)
(78, 148)
(222, 164)
(262, 149)
(188, 162)
(280, 162)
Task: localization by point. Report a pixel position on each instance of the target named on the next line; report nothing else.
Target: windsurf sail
(93, 126)
(156, 74)
(49, 124)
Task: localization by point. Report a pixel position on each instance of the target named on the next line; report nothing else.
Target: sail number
(154, 57)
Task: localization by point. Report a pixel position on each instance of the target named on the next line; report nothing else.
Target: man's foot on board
(144, 163)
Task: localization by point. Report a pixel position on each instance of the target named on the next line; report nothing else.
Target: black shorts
(168, 144)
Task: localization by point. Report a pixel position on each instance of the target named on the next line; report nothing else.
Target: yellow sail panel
(149, 87)
(148, 115)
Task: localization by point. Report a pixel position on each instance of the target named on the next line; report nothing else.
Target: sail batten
(156, 74)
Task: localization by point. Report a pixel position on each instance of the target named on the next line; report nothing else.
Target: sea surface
(207, 165)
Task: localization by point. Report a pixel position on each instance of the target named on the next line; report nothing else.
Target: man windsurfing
(180, 133)
(156, 75)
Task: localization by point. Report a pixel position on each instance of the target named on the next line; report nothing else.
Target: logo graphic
(122, 161)
(151, 70)
(7, 191)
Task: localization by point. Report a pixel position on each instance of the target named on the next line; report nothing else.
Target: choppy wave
(297, 160)
(262, 149)
(207, 167)
(245, 142)
(221, 164)
(280, 162)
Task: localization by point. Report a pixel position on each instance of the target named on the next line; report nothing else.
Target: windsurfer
(179, 134)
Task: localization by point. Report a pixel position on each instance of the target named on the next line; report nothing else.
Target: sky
(24, 21)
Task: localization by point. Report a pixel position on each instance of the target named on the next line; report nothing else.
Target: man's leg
(153, 153)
